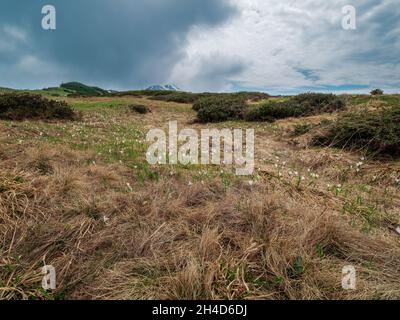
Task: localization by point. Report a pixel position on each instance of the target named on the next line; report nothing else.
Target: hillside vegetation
(375, 132)
(80, 196)
(303, 105)
(19, 106)
(80, 89)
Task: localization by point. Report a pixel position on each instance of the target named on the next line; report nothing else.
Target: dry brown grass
(166, 239)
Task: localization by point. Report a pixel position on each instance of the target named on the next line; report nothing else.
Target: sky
(276, 46)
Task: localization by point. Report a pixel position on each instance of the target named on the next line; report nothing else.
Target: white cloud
(11, 37)
(15, 33)
(292, 44)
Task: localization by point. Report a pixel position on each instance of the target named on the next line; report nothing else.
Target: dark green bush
(252, 96)
(315, 103)
(272, 111)
(189, 97)
(179, 97)
(299, 106)
(377, 132)
(138, 108)
(377, 92)
(19, 106)
(217, 109)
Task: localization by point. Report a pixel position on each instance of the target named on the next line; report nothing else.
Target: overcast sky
(277, 46)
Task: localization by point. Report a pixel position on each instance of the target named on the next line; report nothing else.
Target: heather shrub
(299, 106)
(138, 108)
(377, 92)
(315, 103)
(301, 129)
(376, 132)
(188, 97)
(19, 106)
(218, 109)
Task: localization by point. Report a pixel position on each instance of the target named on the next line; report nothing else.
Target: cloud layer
(120, 44)
(280, 46)
(289, 45)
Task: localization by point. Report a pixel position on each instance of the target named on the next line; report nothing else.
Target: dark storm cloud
(125, 43)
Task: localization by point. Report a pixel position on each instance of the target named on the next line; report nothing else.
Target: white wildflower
(129, 187)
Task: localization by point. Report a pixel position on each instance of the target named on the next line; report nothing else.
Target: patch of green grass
(320, 251)
(358, 99)
(390, 100)
(98, 105)
(297, 269)
(54, 92)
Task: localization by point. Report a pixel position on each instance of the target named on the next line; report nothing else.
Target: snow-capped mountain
(167, 87)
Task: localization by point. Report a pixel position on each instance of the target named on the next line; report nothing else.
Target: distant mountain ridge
(167, 87)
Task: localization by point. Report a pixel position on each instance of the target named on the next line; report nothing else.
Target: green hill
(2, 90)
(82, 89)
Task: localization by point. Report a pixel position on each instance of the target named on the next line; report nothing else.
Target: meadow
(79, 195)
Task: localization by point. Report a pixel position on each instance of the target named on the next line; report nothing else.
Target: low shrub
(272, 111)
(19, 106)
(217, 109)
(140, 93)
(299, 106)
(377, 132)
(138, 108)
(179, 97)
(315, 103)
(377, 92)
(251, 96)
(188, 97)
(301, 129)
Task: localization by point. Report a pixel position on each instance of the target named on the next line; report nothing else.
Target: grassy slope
(5, 90)
(63, 90)
(46, 92)
(80, 195)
